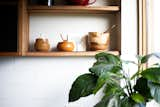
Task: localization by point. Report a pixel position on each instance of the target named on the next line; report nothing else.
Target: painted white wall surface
(40, 82)
(76, 26)
(129, 27)
(45, 81)
(154, 25)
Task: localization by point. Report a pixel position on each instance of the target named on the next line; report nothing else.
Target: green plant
(108, 72)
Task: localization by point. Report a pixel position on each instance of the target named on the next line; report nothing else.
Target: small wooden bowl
(65, 46)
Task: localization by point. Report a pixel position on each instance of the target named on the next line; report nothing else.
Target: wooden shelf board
(60, 54)
(73, 9)
(9, 54)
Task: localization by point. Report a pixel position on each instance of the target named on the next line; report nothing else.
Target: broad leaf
(103, 68)
(113, 88)
(147, 57)
(126, 102)
(108, 101)
(107, 77)
(136, 75)
(152, 74)
(142, 88)
(155, 90)
(109, 58)
(138, 98)
(100, 82)
(82, 86)
(99, 69)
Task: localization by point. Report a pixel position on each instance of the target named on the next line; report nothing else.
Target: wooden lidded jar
(42, 45)
(98, 41)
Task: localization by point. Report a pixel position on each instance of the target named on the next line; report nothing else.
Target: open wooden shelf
(60, 54)
(9, 54)
(24, 12)
(73, 9)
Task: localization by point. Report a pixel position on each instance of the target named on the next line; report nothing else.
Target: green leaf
(155, 90)
(107, 77)
(108, 101)
(152, 74)
(113, 88)
(108, 58)
(135, 75)
(126, 102)
(138, 98)
(100, 82)
(142, 88)
(147, 57)
(99, 69)
(103, 68)
(82, 86)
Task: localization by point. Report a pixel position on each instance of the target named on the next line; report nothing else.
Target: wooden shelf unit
(60, 54)
(74, 9)
(63, 9)
(24, 11)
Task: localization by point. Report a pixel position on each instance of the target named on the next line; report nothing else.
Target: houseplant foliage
(108, 73)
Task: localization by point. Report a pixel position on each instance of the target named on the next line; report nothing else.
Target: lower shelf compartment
(65, 54)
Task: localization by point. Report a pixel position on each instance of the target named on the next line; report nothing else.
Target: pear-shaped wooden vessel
(42, 45)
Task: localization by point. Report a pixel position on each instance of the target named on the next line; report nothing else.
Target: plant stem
(130, 87)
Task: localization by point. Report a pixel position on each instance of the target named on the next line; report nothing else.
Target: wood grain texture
(140, 31)
(73, 9)
(23, 27)
(145, 49)
(75, 54)
(25, 11)
(142, 46)
(9, 54)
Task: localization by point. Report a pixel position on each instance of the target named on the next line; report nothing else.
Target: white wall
(154, 25)
(45, 81)
(76, 26)
(39, 82)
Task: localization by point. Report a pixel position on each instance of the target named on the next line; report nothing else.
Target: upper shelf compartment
(74, 9)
